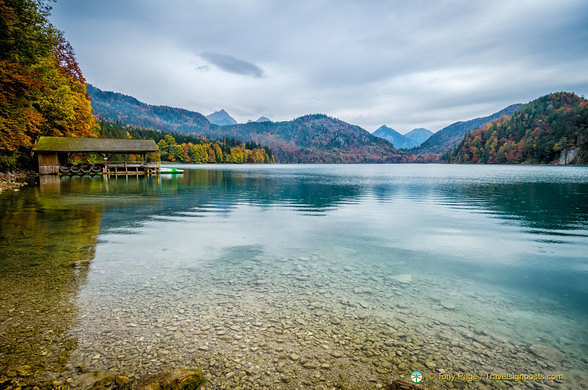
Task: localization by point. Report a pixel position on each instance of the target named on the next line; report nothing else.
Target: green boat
(170, 170)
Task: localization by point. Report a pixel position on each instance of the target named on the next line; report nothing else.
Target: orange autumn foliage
(42, 89)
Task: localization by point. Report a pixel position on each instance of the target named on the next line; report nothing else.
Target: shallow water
(292, 276)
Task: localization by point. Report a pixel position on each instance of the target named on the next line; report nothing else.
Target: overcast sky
(405, 64)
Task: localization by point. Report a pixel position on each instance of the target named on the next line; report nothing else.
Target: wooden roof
(98, 145)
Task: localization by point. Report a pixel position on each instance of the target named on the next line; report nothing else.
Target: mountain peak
(261, 119)
(395, 138)
(221, 118)
(385, 128)
(419, 134)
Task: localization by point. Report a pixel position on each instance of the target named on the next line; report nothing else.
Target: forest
(42, 89)
(535, 134)
(192, 149)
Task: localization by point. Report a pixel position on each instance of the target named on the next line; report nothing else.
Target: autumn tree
(42, 89)
(537, 133)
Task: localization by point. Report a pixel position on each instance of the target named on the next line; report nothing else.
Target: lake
(295, 276)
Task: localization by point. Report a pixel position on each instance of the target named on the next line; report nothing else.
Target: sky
(405, 64)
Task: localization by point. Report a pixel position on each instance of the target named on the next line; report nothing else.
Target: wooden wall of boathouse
(48, 162)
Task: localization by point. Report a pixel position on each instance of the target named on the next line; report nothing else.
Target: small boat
(64, 168)
(170, 170)
(96, 168)
(75, 169)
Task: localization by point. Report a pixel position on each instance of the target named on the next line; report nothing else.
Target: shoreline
(15, 180)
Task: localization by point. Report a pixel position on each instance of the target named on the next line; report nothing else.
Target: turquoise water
(293, 276)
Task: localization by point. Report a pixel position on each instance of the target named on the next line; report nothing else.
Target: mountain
(314, 139)
(308, 139)
(551, 129)
(395, 138)
(116, 107)
(260, 120)
(450, 136)
(419, 135)
(400, 141)
(221, 118)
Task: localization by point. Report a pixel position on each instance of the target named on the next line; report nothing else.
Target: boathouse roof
(97, 145)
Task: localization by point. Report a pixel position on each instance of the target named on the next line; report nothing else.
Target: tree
(42, 90)
(537, 133)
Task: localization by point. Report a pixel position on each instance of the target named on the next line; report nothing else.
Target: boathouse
(53, 154)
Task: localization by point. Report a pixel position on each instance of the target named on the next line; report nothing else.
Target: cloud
(404, 64)
(232, 65)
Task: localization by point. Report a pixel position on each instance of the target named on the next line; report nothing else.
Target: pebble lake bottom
(300, 276)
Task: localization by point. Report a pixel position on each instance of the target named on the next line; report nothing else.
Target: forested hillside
(42, 90)
(117, 107)
(540, 132)
(192, 149)
(315, 138)
(448, 137)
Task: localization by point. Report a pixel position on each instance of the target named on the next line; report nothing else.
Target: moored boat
(170, 170)
(96, 168)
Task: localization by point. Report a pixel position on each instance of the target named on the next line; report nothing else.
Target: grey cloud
(232, 65)
(405, 64)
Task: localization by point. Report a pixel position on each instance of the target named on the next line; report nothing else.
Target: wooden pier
(54, 152)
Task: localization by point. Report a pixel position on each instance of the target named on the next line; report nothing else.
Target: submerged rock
(546, 353)
(95, 380)
(447, 305)
(402, 278)
(170, 380)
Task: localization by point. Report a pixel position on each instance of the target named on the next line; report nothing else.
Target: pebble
(447, 305)
(178, 335)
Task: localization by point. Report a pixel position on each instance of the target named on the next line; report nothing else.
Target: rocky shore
(14, 181)
(177, 379)
(10, 185)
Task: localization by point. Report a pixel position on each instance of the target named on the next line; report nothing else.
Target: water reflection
(46, 246)
(545, 207)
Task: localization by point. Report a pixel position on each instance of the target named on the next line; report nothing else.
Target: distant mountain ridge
(260, 120)
(403, 141)
(117, 107)
(450, 136)
(394, 137)
(308, 139)
(315, 138)
(221, 118)
(420, 134)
